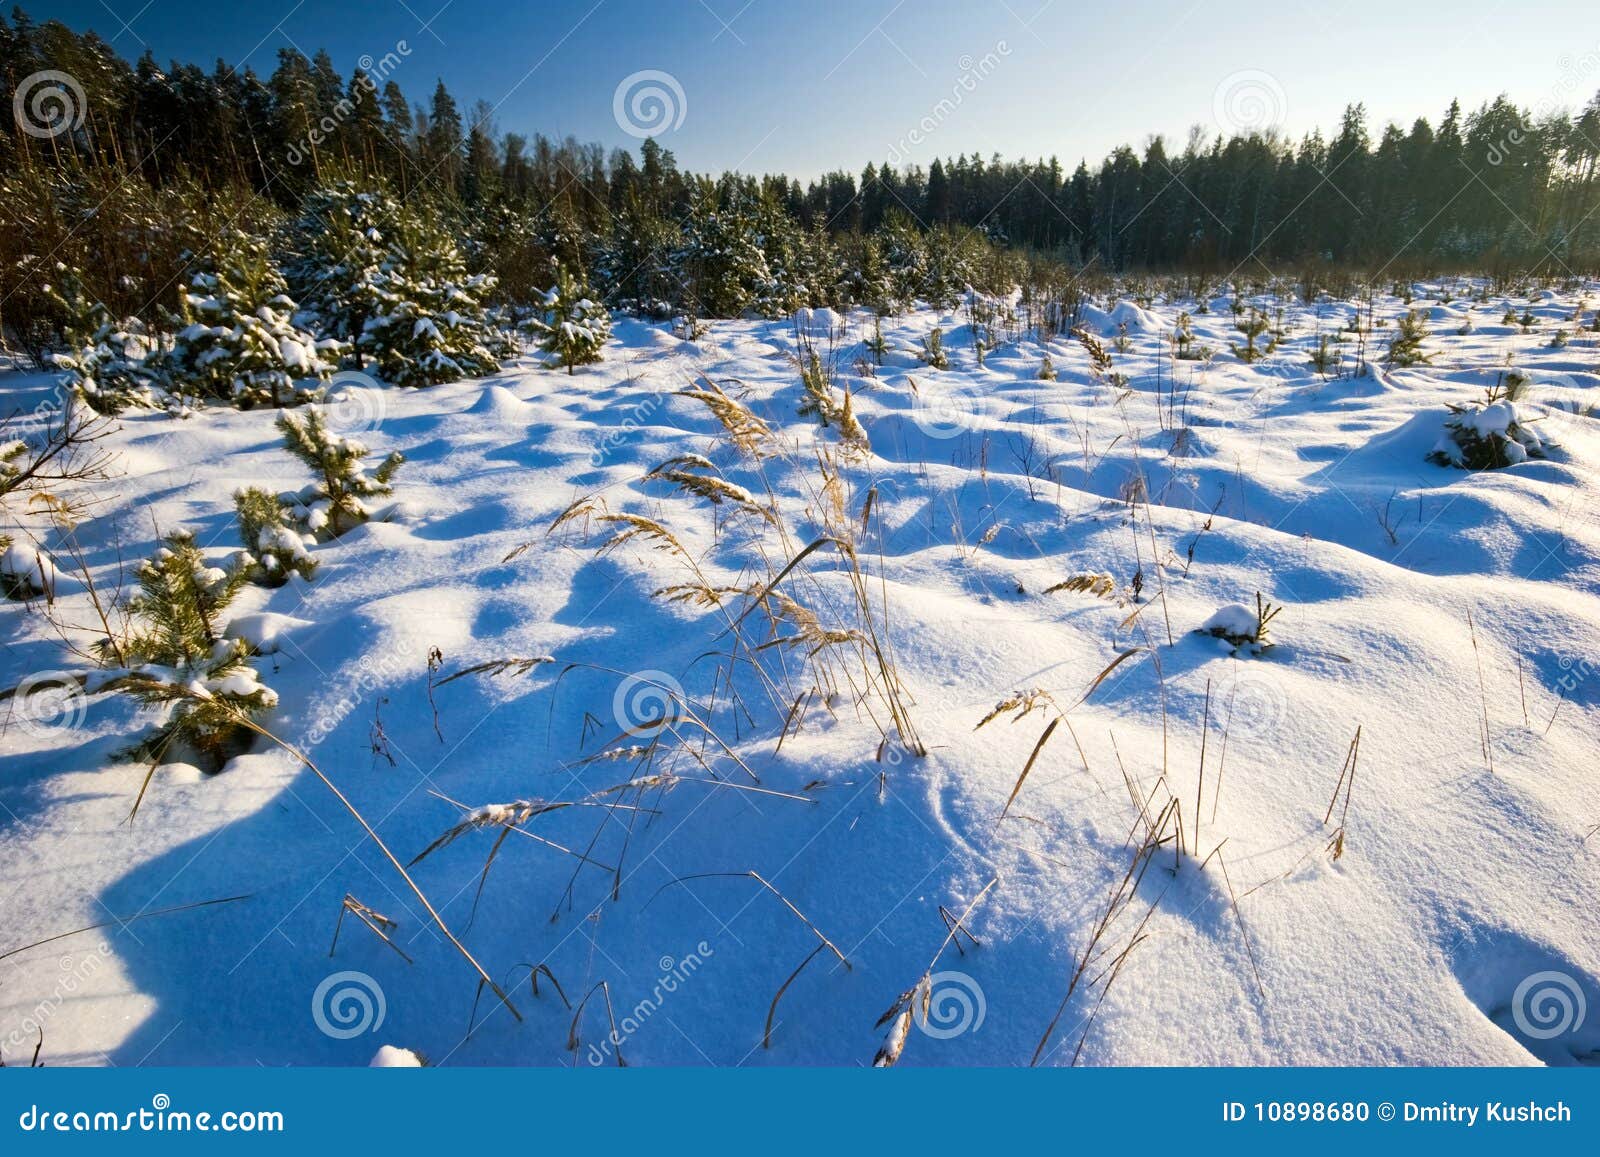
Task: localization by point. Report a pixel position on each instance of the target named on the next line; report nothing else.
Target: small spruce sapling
(875, 345)
(1253, 327)
(1245, 630)
(273, 549)
(104, 362)
(1047, 370)
(573, 328)
(1325, 359)
(933, 350)
(240, 343)
(1490, 435)
(1406, 347)
(333, 504)
(179, 658)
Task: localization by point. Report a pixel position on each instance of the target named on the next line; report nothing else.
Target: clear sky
(770, 85)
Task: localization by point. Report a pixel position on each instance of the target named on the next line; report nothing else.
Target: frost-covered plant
(179, 659)
(1244, 629)
(933, 350)
(332, 504)
(1325, 359)
(1406, 347)
(273, 548)
(340, 275)
(1184, 346)
(1253, 327)
(239, 342)
(1047, 369)
(25, 573)
(429, 324)
(572, 329)
(875, 345)
(1487, 436)
(105, 360)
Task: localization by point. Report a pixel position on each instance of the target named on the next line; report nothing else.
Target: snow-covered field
(1453, 617)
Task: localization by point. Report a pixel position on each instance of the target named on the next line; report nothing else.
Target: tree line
(164, 155)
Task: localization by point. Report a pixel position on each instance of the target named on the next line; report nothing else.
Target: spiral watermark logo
(49, 103)
(1547, 1005)
(646, 703)
(952, 1005)
(649, 103)
(946, 411)
(355, 403)
(1251, 101)
(1256, 708)
(347, 1004)
(49, 704)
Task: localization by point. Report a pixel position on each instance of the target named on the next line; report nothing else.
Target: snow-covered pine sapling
(1559, 341)
(333, 504)
(1099, 356)
(104, 361)
(428, 324)
(25, 571)
(1245, 630)
(1492, 434)
(1253, 326)
(178, 658)
(1325, 359)
(573, 328)
(273, 549)
(1184, 346)
(240, 343)
(1047, 369)
(1406, 347)
(875, 345)
(933, 354)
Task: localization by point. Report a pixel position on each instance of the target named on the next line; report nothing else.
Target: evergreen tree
(181, 661)
(442, 156)
(239, 342)
(573, 329)
(339, 277)
(105, 362)
(333, 503)
(429, 325)
(273, 549)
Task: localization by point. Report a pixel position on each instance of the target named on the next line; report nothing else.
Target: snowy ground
(1458, 881)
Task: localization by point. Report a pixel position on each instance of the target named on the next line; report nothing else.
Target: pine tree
(1406, 348)
(429, 325)
(239, 342)
(273, 549)
(180, 659)
(338, 277)
(105, 362)
(718, 261)
(572, 329)
(333, 504)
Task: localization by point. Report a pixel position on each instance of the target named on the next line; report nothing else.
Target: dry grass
(916, 999)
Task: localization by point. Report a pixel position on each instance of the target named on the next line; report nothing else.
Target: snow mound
(394, 1057)
(261, 632)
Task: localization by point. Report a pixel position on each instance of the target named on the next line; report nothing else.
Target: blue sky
(772, 86)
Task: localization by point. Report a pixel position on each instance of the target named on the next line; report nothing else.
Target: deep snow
(1456, 884)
